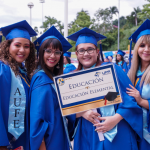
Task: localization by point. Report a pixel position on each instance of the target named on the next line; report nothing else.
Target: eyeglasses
(57, 53)
(89, 51)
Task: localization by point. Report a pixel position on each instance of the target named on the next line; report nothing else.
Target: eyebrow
(87, 47)
(21, 43)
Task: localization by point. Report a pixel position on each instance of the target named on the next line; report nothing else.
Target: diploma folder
(87, 89)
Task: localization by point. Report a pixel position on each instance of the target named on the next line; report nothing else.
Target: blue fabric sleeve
(71, 125)
(69, 68)
(39, 123)
(129, 109)
(3, 138)
(125, 67)
(148, 116)
(5, 85)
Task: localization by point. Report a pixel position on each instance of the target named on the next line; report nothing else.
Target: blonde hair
(136, 62)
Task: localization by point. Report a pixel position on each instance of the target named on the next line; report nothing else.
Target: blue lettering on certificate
(106, 72)
(107, 88)
(80, 84)
(75, 95)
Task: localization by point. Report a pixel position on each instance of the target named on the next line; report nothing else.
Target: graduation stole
(146, 134)
(17, 106)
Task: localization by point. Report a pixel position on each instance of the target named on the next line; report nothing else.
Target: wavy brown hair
(14, 65)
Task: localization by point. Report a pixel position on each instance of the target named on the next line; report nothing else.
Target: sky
(12, 11)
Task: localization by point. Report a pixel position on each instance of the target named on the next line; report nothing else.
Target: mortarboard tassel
(1, 33)
(37, 44)
(100, 45)
(130, 54)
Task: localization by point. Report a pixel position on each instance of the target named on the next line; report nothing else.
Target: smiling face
(86, 59)
(51, 58)
(19, 49)
(144, 52)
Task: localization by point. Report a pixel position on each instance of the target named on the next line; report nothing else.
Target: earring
(58, 66)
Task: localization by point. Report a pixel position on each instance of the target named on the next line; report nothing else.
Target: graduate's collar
(66, 65)
(90, 67)
(139, 72)
(120, 63)
(22, 69)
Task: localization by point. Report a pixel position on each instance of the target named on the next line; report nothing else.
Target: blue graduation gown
(127, 129)
(45, 115)
(142, 143)
(69, 68)
(5, 89)
(124, 66)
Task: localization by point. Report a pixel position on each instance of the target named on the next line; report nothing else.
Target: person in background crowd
(68, 67)
(120, 123)
(139, 75)
(120, 60)
(15, 84)
(47, 131)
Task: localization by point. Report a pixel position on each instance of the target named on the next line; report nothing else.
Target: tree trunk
(136, 21)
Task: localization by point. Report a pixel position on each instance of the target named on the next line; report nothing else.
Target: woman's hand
(3, 148)
(109, 123)
(134, 93)
(89, 115)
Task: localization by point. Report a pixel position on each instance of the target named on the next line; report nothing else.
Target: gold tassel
(37, 44)
(1, 33)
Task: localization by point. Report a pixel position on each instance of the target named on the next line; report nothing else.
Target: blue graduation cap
(120, 52)
(67, 54)
(52, 33)
(87, 35)
(18, 30)
(108, 54)
(144, 29)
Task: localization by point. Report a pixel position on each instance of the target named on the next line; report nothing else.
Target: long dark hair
(98, 63)
(68, 60)
(14, 65)
(55, 44)
(122, 59)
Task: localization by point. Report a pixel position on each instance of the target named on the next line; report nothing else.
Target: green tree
(145, 13)
(50, 21)
(105, 16)
(122, 20)
(82, 20)
(134, 14)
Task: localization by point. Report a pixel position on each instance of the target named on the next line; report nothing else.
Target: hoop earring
(58, 67)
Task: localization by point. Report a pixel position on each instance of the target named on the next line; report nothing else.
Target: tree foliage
(103, 22)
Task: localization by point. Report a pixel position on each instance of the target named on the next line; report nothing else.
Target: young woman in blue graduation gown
(120, 60)
(16, 49)
(140, 77)
(46, 122)
(68, 67)
(127, 114)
